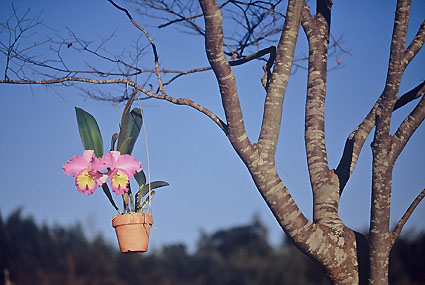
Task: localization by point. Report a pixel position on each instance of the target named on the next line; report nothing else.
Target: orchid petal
(129, 164)
(101, 178)
(88, 154)
(78, 163)
(115, 155)
(107, 161)
(115, 160)
(100, 163)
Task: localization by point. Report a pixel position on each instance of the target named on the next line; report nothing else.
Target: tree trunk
(383, 152)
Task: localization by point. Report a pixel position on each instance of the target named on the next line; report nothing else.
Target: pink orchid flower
(123, 167)
(85, 172)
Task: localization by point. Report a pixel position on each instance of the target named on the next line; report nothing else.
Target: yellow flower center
(120, 179)
(85, 181)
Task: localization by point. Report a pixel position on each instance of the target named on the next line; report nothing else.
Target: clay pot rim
(132, 218)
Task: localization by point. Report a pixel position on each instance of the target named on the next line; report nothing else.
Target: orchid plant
(93, 168)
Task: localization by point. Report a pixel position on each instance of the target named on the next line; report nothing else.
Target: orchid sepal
(84, 171)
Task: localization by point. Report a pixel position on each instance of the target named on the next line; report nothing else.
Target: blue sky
(209, 186)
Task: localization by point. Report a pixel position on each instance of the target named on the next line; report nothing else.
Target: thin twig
(127, 82)
(154, 50)
(415, 46)
(399, 227)
(413, 94)
(356, 139)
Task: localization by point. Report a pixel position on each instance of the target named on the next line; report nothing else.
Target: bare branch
(317, 31)
(413, 94)
(409, 125)
(225, 77)
(415, 46)
(267, 68)
(356, 139)
(259, 21)
(382, 165)
(399, 227)
(337, 44)
(353, 146)
(181, 18)
(273, 106)
(156, 59)
(16, 32)
(180, 12)
(127, 82)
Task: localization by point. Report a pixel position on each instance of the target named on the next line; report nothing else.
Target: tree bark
(382, 148)
(327, 240)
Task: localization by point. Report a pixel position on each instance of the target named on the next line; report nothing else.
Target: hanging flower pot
(94, 169)
(133, 231)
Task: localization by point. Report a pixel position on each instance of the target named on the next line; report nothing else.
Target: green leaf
(113, 140)
(140, 178)
(158, 184)
(144, 189)
(131, 124)
(154, 185)
(147, 201)
(126, 147)
(108, 194)
(138, 201)
(89, 132)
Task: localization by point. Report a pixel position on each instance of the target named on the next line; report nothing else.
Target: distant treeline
(33, 254)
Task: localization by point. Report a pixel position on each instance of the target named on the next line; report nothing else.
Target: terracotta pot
(133, 231)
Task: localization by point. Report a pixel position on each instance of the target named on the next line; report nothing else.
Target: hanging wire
(146, 142)
(147, 156)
